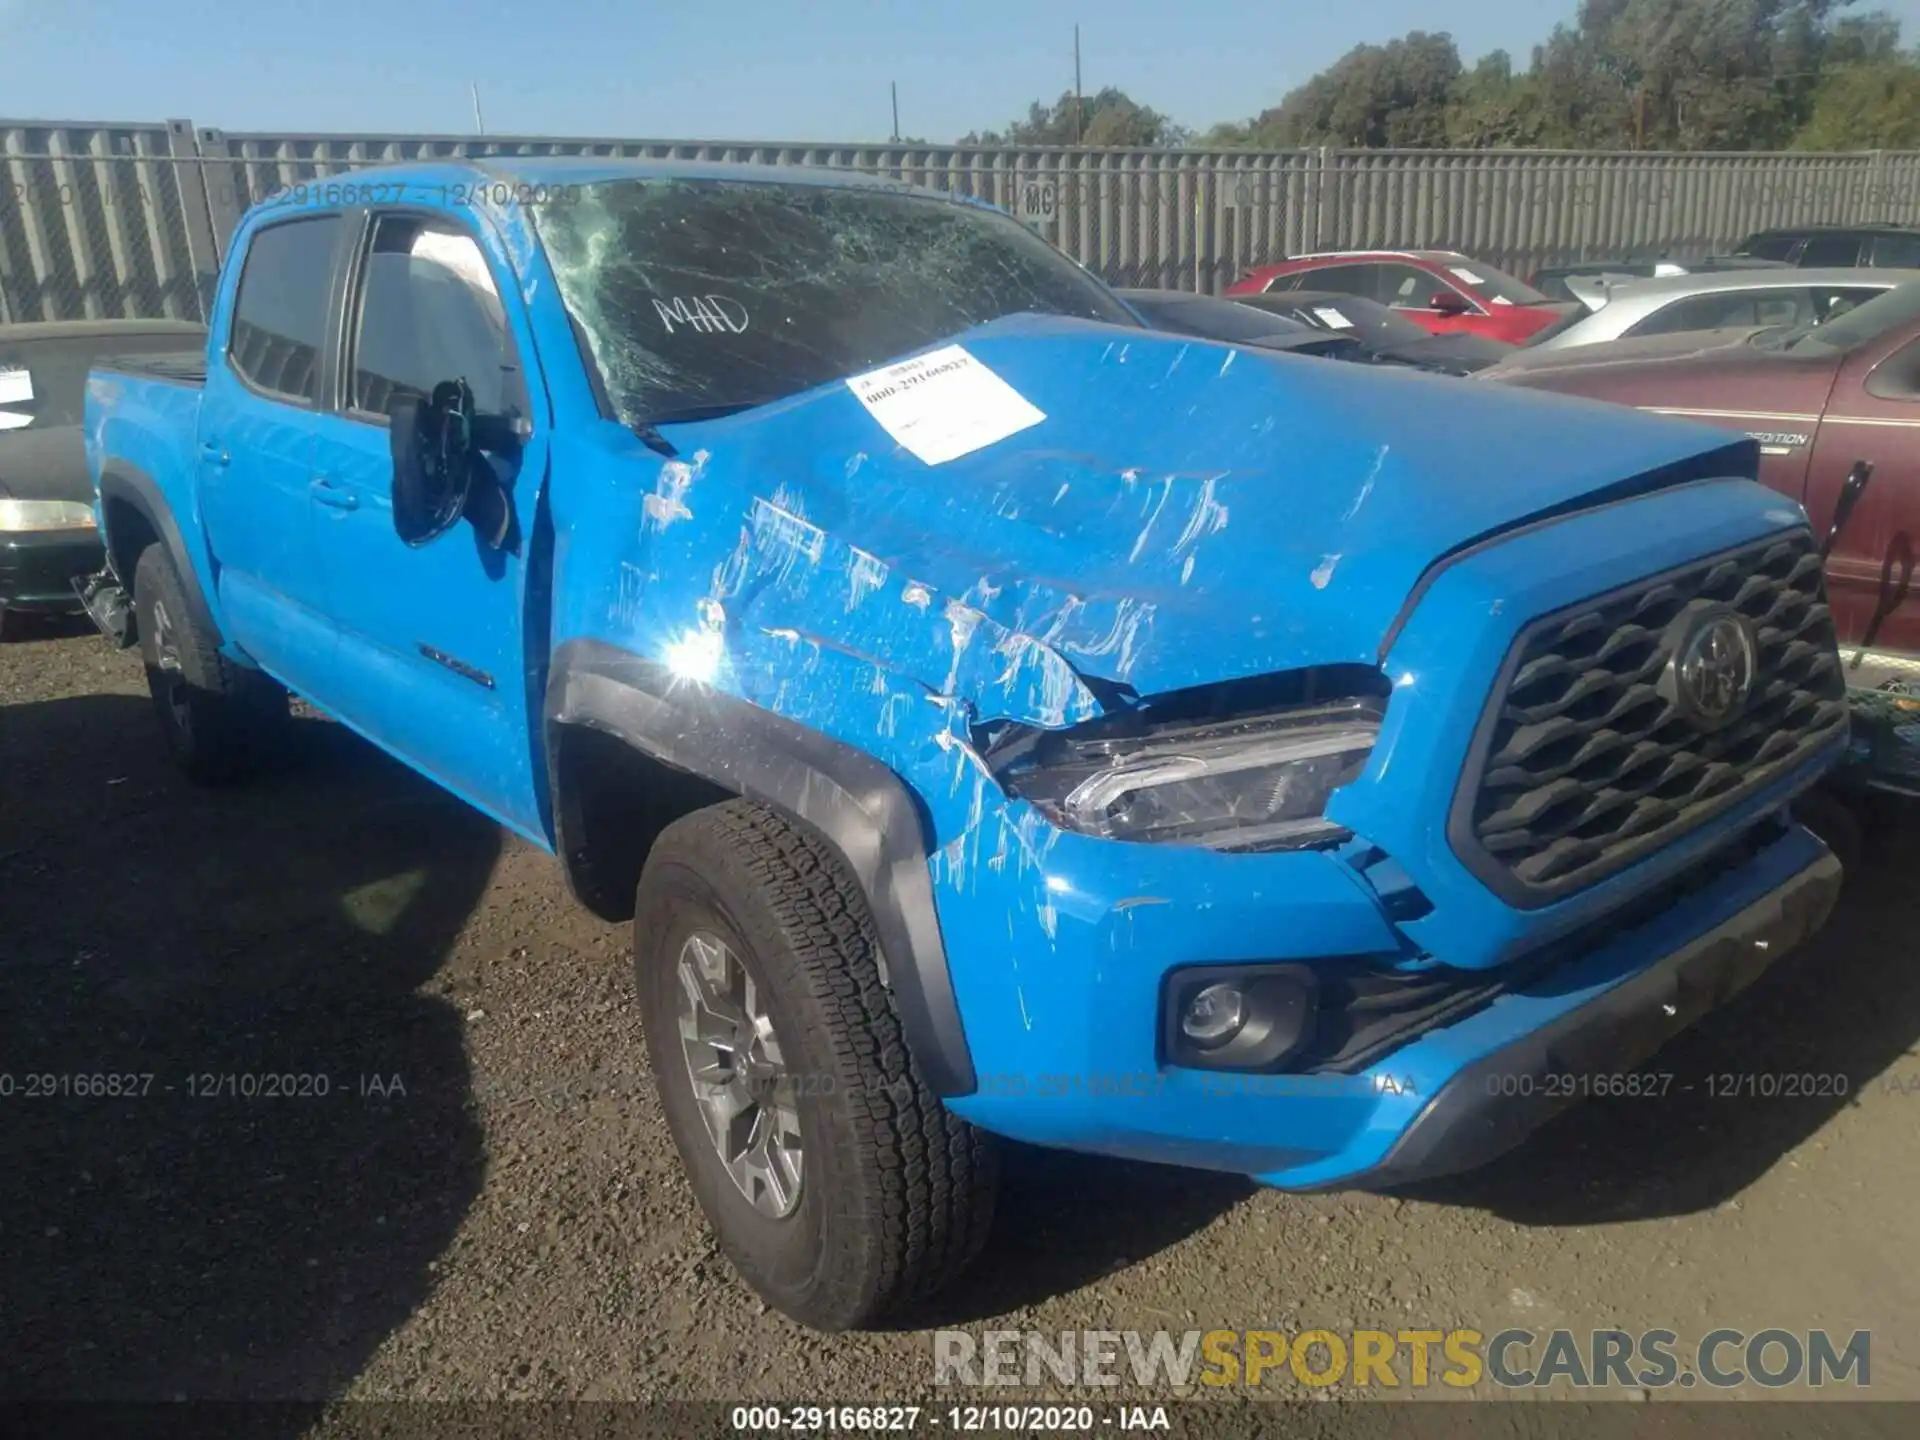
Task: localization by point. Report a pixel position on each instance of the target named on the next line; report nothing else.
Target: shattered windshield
(702, 297)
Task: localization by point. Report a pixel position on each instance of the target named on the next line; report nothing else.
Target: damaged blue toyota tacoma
(996, 719)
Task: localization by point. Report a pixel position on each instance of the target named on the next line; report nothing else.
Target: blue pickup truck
(995, 718)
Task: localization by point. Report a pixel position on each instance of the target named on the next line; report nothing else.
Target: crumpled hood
(1187, 512)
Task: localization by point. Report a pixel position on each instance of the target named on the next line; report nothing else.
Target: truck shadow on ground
(259, 1208)
(1064, 1221)
(1839, 1019)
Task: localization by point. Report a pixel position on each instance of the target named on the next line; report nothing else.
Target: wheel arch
(686, 749)
(134, 514)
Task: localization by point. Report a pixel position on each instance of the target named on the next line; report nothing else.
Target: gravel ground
(485, 1203)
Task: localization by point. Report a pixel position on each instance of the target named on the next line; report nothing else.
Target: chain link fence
(106, 221)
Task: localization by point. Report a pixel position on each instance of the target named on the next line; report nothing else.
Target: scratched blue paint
(1185, 514)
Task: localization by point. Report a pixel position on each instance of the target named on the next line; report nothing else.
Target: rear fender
(135, 514)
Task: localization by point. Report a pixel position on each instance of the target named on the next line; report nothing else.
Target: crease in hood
(1186, 513)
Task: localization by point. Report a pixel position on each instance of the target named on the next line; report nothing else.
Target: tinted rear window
(280, 317)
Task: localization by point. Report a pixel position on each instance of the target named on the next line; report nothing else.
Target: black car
(47, 534)
(1836, 245)
(1209, 318)
(1378, 333)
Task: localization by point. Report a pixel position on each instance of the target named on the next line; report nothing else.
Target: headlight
(1259, 784)
(45, 515)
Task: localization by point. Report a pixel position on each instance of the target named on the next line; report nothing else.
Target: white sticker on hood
(944, 404)
(15, 386)
(1472, 277)
(1333, 317)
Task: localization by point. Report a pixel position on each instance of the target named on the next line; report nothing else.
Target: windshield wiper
(655, 441)
(707, 412)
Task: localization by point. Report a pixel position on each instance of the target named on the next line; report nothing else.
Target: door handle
(327, 493)
(213, 453)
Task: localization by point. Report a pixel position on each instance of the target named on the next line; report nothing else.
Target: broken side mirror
(433, 458)
(1851, 489)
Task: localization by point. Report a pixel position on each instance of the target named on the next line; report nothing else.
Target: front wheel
(834, 1179)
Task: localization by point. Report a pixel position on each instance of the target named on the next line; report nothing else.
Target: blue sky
(750, 70)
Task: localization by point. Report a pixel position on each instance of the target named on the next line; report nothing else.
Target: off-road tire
(221, 721)
(896, 1192)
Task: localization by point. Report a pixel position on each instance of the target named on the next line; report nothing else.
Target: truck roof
(553, 170)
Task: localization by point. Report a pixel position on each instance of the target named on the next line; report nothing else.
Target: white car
(1713, 300)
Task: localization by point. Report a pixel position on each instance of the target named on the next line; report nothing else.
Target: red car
(1441, 290)
(1818, 398)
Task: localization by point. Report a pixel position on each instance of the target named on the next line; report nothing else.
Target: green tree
(1871, 105)
(1373, 96)
(1109, 118)
(1490, 107)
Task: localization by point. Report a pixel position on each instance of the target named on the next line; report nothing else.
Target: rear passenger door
(256, 447)
(433, 644)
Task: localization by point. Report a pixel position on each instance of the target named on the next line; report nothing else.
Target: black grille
(1584, 764)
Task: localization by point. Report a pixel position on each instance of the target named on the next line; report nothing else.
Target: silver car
(1713, 300)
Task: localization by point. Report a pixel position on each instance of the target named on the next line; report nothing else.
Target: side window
(1770, 246)
(1841, 249)
(1781, 307)
(428, 313)
(1830, 304)
(1341, 279)
(280, 315)
(1406, 287)
(1900, 251)
(1702, 312)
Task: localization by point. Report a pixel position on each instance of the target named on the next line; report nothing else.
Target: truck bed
(181, 367)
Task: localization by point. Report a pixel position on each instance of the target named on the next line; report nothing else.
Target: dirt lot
(485, 1202)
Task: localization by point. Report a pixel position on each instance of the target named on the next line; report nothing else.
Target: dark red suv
(1440, 290)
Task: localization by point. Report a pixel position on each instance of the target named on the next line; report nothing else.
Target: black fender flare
(862, 808)
(125, 483)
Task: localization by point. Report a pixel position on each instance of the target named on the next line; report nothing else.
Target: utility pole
(894, 86)
(479, 125)
(1079, 104)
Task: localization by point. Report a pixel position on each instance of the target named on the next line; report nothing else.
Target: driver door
(433, 640)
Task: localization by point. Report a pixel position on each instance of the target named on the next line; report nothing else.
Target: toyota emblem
(1711, 673)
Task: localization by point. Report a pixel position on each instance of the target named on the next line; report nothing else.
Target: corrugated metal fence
(104, 220)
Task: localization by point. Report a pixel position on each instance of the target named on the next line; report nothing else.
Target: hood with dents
(1185, 513)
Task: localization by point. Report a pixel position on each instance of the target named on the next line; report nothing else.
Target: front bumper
(1493, 1104)
(38, 567)
(1081, 1072)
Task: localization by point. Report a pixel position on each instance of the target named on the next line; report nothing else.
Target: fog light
(1237, 1017)
(1214, 1015)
